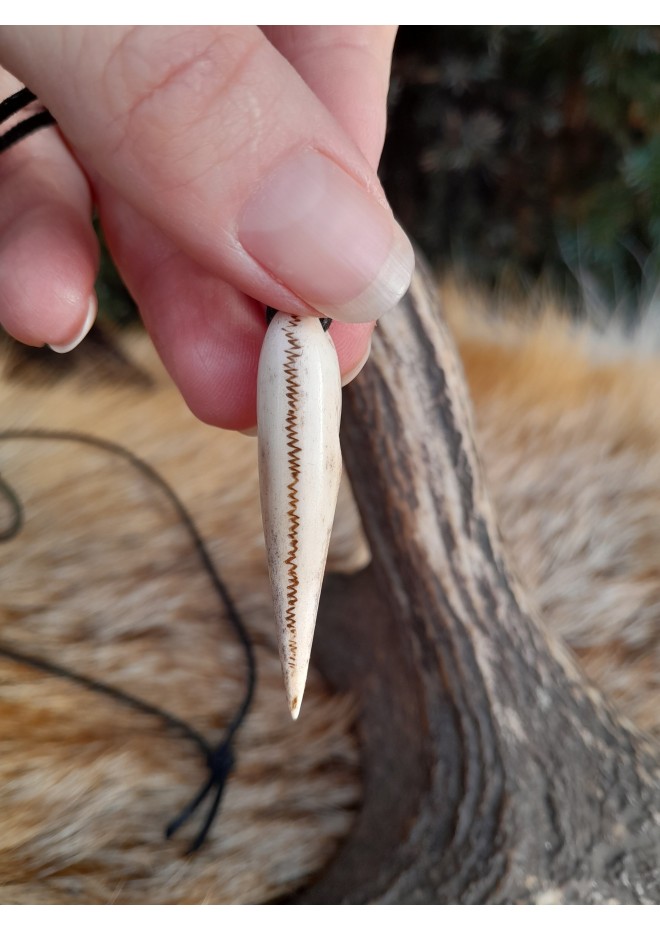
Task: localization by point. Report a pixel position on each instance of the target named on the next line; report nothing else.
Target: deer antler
(493, 770)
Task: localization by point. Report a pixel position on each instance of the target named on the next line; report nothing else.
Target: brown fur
(103, 579)
(568, 428)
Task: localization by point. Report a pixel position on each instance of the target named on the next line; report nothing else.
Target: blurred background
(521, 157)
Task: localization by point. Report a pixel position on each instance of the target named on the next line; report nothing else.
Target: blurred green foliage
(525, 152)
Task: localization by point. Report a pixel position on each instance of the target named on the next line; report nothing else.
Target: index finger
(348, 68)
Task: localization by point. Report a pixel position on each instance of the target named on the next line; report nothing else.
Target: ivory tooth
(298, 412)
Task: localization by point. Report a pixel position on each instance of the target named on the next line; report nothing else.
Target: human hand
(231, 167)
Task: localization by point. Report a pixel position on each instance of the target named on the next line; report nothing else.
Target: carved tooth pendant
(298, 411)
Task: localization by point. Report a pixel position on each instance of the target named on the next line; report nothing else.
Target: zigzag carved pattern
(292, 354)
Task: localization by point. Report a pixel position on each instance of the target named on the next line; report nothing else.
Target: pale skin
(170, 132)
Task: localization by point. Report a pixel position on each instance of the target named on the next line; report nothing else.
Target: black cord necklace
(26, 127)
(219, 758)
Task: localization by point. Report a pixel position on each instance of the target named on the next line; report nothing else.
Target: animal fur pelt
(103, 579)
(568, 428)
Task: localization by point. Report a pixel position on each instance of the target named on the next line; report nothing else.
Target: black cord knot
(221, 763)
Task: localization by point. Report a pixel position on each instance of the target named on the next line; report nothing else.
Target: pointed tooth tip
(294, 700)
(295, 681)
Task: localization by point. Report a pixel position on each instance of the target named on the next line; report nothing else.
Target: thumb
(213, 136)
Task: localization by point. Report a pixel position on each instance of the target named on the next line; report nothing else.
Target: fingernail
(323, 236)
(251, 432)
(89, 322)
(355, 371)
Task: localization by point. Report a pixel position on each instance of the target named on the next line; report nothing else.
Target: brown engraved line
(292, 354)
